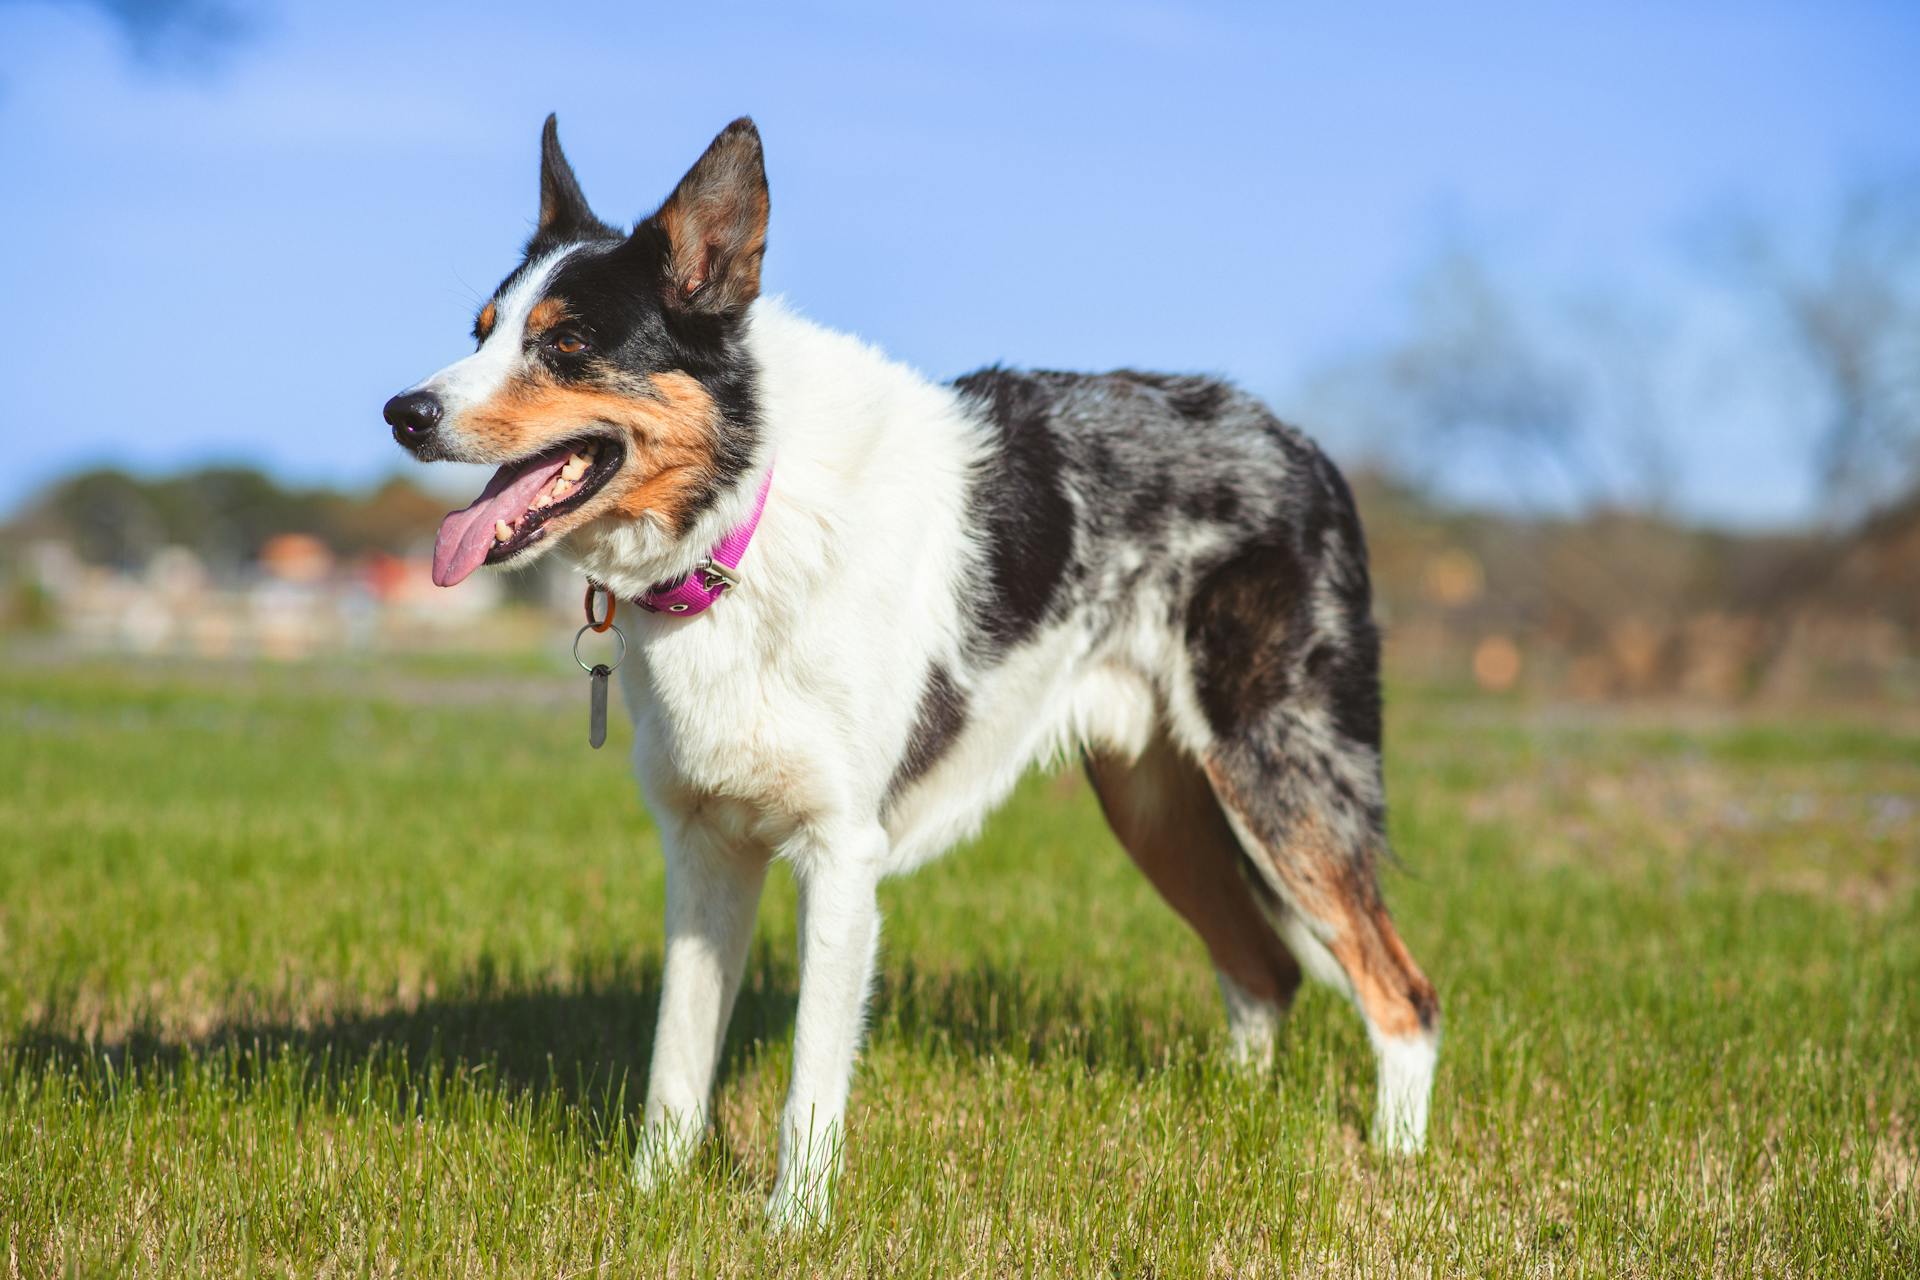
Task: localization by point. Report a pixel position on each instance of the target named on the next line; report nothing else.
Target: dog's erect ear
(715, 223)
(562, 205)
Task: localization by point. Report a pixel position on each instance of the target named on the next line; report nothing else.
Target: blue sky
(239, 252)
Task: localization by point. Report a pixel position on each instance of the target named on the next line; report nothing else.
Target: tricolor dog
(871, 601)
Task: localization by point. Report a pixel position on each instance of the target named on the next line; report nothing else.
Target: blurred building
(297, 600)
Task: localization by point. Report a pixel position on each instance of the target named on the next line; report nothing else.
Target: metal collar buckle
(716, 577)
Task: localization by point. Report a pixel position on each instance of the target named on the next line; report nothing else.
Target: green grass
(352, 971)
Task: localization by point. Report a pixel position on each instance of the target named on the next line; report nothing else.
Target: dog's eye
(569, 344)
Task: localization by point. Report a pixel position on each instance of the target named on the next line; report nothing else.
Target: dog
(870, 602)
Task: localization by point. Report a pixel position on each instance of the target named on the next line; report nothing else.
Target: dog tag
(597, 702)
(597, 673)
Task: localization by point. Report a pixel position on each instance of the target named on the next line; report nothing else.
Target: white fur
(1253, 1025)
(1406, 1083)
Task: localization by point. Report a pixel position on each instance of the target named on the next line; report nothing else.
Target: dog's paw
(1406, 1087)
(1253, 1028)
(662, 1158)
(1394, 1136)
(800, 1204)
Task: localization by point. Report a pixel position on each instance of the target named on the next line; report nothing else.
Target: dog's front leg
(839, 936)
(712, 894)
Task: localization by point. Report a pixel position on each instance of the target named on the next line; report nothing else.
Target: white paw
(1250, 1049)
(1398, 1135)
(810, 1163)
(1253, 1027)
(663, 1155)
(1406, 1085)
(801, 1202)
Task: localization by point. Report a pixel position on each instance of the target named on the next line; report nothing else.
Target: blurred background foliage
(1618, 335)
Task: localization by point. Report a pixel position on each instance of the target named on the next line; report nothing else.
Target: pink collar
(711, 578)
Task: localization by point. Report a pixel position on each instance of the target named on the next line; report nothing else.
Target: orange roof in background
(296, 557)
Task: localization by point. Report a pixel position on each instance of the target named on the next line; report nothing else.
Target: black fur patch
(1353, 676)
(1019, 503)
(1219, 504)
(1245, 625)
(1146, 511)
(936, 725)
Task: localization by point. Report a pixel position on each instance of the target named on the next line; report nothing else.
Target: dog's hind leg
(1165, 816)
(1285, 798)
(1285, 717)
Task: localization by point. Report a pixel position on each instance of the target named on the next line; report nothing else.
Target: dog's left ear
(715, 223)
(562, 204)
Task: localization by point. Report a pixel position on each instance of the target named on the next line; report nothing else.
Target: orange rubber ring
(606, 622)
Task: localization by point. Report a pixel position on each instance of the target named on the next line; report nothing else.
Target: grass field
(353, 970)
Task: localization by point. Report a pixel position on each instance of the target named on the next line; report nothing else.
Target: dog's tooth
(575, 468)
(561, 489)
(544, 500)
(502, 531)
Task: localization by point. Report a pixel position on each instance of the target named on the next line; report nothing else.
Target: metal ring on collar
(619, 656)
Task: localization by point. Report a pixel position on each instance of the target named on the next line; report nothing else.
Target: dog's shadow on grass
(586, 1040)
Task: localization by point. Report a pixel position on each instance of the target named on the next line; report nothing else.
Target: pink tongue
(466, 536)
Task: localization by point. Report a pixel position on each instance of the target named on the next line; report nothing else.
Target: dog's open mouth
(512, 512)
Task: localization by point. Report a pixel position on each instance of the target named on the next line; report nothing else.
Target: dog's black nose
(413, 417)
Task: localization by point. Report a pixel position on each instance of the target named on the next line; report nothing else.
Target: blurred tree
(1558, 405)
(1845, 312)
(223, 514)
(395, 516)
(1560, 412)
(1562, 407)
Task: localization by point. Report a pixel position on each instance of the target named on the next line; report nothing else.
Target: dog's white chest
(727, 745)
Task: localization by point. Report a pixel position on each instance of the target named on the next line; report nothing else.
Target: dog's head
(608, 381)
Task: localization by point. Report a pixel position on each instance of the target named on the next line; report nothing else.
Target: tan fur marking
(1323, 882)
(672, 218)
(546, 313)
(1389, 985)
(682, 450)
(1165, 817)
(484, 325)
(670, 436)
